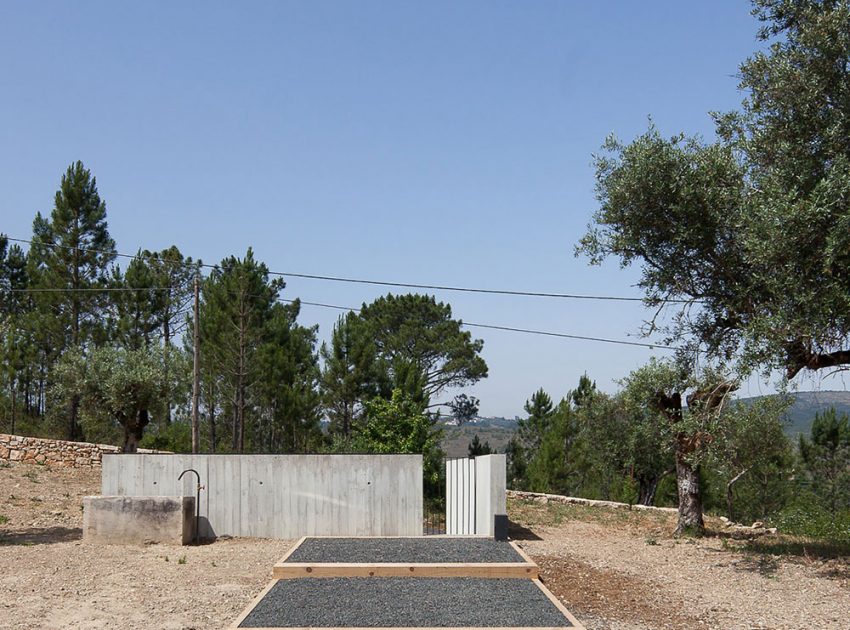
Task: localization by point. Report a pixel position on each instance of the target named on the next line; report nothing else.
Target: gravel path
(413, 550)
(405, 602)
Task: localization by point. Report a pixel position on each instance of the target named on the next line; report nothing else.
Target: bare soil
(615, 570)
(622, 570)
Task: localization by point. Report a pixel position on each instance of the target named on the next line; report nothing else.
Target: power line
(86, 289)
(357, 310)
(528, 331)
(386, 283)
(345, 308)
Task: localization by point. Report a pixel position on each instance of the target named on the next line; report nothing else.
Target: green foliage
(400, 425)
(531, 430)
(808, 517)
(553, 469)
(517, 464)
(752, 458)
(260, 366)
(740, 229)
(175, 437)
(826, 460)
(71, 250)
(476, 448)
(116, 389)
(353, 373)
(464, 408)
(423, 347)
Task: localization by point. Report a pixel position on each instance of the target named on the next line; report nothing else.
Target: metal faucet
(197, 501)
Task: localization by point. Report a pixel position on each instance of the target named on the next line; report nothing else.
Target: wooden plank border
(522, 553)
(422, 628)
(559, 605)
(291, 570)
(575, 623)
(284, 570)
(253, 604)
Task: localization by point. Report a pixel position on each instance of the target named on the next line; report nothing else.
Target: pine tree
(237, 304)
(352, 373)
(71, 254)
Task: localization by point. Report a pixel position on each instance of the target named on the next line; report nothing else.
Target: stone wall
(541, 497)
(60, 453)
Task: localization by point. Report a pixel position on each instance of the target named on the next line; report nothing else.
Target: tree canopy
(748, 235)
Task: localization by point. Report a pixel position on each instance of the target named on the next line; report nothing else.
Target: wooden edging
(423, 628)
(291, 570)
(522, 554)
(575, 624)
(253, 604)
(284, 570)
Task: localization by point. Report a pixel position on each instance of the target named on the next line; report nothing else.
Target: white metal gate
(460, 497)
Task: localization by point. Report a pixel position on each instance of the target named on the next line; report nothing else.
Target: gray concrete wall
(283, 496)
(138, 520)
(490, 492)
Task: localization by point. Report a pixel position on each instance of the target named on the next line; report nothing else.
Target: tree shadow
(764, 565)
(822, 550)
(519, 532)
(40, 536)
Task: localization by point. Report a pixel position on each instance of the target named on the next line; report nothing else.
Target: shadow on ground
(40, 535)
(519, 532)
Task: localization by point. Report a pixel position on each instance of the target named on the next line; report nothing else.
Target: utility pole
(196, 385)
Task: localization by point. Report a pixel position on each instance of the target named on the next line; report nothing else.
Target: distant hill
(807, 405)
(497, 431)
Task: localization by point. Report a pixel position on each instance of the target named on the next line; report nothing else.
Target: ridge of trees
(94, 350)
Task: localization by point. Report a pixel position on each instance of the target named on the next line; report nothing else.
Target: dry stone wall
(17, 448)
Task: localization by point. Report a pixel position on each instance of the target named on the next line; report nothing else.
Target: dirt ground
(613, 570)
(621, 570)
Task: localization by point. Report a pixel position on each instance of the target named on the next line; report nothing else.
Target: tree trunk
(211, 408)
(12, 397)
(133, 431)
(166, 336)
(690, 497)
(729, 496)
(75, 432)
(647, 487)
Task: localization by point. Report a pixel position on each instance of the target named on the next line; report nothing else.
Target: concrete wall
(490, 492)
(283, 496)
(138, 520)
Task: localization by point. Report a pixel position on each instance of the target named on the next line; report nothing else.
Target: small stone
(758, 525)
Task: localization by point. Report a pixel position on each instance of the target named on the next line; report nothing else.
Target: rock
(724, 519)
(758, 525)
(771, 530)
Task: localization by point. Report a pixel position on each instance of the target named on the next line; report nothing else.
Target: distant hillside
(806, 405)
(496, 431)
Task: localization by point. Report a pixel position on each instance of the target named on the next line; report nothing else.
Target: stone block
(123, 520)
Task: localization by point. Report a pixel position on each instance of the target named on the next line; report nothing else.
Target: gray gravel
(407, 602)
(413, 550)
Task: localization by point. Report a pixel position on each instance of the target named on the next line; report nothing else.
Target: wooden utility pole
(196, 385)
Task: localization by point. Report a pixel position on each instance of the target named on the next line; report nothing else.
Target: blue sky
(428, 142)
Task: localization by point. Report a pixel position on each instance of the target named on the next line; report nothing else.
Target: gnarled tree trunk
(690, 497)
(134, 428)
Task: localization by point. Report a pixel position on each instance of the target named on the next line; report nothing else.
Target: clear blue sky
(430, 142)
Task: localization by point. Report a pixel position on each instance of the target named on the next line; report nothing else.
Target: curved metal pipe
(197, 502)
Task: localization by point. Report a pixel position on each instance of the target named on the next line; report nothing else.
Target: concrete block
(121, 520)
